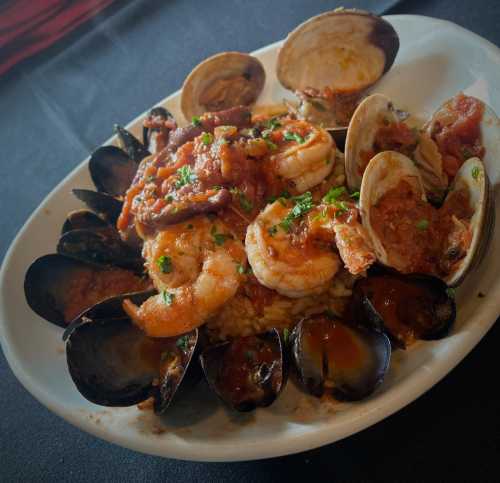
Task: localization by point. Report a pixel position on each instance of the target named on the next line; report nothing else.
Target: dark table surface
(58, 106)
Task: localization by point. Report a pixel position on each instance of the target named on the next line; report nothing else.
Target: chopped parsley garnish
(320, 216)
(328, 161)
(273, 230)
(273, 123)
(293, 136)
(190, 226)
(168, 297)
(303, 204)
(207, 138)
(196, 121)
(186, 176)
(169, 198)
(165, 264)
(334, 194)
(422, 224)
(475, 172)
(219, 238)
(355, 195)
(271, 145)
(183, 343)
(450, 292)
(286, 335)
(284, 195)
(150, 178)
(217, 187)
(341, 208)
(240, 268)
(245, 203)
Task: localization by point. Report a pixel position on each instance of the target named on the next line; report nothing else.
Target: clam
(248, 372)
(456, 139)
(113, 363)
(410, 235)
(348, 361)
(332, 59)
(225, 80)
(375, 111)
(406, 307)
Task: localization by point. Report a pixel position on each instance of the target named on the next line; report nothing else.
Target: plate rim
(395, 398)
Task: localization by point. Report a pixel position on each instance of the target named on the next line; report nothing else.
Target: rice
(243, 315)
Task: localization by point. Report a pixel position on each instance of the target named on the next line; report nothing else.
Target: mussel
(248, 372)
(332, 59)
(156, 128)
(346, 360)
(113, 363)
(406, 307)
(410, 235)
(225, 80)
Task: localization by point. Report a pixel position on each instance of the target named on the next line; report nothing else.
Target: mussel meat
(248, 372)
(406, 307)
(347, 361)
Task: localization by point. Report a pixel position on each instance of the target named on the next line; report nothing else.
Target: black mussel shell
(51, 283)
(101, 203)
(408, 307)
(247, 372)
(113, 363)
(331, 356)
(156, 112)
(82, 219)
(135, 150)
(46, 283)
(101, 246)
(112, 170)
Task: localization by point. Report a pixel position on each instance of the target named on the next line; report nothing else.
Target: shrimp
(281, 261)
(195, 266)
(304, 154)
(340, 221)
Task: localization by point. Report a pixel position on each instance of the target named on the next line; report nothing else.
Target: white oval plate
(436, 60)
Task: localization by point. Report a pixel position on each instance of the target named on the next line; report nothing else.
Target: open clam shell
(248, 372)
(344, 50)
(113, 363)
(348, 361)
(368, 117)
(384, 172)
(473, 179)
(225, 80)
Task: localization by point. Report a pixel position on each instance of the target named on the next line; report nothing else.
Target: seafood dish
(258, 246)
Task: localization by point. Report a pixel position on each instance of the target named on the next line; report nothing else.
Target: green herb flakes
(168, 297)
(245, 203)
(165, 264)
(219, 238)
(475, 172)
(293, 136)
(355, 195)
(303, 204)
(183, 343)
(186, 176)
(451, 292)
(207, 138)
(334, 194)
(422, 224)
(196, 121)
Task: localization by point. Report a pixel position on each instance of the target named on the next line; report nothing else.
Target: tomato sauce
(95, 285)
(250, 368)
(418, 237)
(390, 136)
(457, 132)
